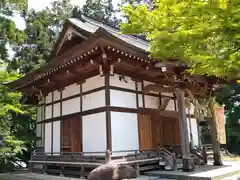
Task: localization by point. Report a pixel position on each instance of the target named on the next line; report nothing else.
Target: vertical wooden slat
(75, 133)
(61, 123)
(136, 89)
(81, 108)
(145, 126)
(154, 132)
(143, 99)
(108, 113)
(175, 102)
(52, 124)
(44, 117)
(137, 101)
(81, 98)
(160, 99)
(177, 139)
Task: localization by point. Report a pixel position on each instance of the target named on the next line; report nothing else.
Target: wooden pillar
(214, 137)
(199, 132)
(185, 144)
(190, 127)
(108, 113)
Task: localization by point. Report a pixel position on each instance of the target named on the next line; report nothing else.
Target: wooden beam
(158, 88)
(200, 91)
(76, 79)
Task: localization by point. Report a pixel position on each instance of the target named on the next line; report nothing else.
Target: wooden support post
(82, 172)
(107, 156)
(185, 144)
(137, 170)
(199, 133)
(214, 136)
(44, 164)
(108, 113)
(30, 164)
(30, 167)
(62, 170)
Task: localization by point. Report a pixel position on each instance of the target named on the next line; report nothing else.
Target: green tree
(230, 97)
(42, 30)
(203, 34)
(9, 34)
(17, 134)
(101, 10)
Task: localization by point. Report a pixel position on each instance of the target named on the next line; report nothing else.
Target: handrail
(169, 158)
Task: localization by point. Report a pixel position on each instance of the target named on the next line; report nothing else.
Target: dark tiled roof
(92, 26)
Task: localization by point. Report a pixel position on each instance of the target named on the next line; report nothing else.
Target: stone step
(33, 176)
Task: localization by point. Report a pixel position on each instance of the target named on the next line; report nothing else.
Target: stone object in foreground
(112, 171)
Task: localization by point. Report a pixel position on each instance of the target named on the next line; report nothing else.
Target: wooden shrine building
(101, 91)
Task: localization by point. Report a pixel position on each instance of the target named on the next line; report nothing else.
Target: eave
(83, 61)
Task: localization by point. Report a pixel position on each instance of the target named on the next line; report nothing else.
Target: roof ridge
(79, 15)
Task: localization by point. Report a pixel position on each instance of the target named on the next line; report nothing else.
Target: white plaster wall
(94, 132)
(140, 100)
(48, 137)
(139, 84)
(71, 90)
(49, 98)
(48, 111)
(71, 106)
(42, 135)
(129, 84)
(124, 128)
(39, 113)
(39, 134)
(151, 102)
(145, 83)
(194, 130)
(168, 94)
(93, 100)
(56, 95)
(171, 106)
(56, 136)
(56, 110)
(93, 83)
(123, 99)
(190, 110)
(42, 100)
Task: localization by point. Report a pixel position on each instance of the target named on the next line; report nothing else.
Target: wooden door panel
(71, 133)
(167, 132)
(171, 133)
(76, 135)
(157, 132)
(177, 138)
(145, 131)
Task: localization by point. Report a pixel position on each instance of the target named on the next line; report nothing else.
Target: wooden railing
(140, 159)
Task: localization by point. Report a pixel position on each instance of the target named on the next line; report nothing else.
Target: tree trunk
(213, 129)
